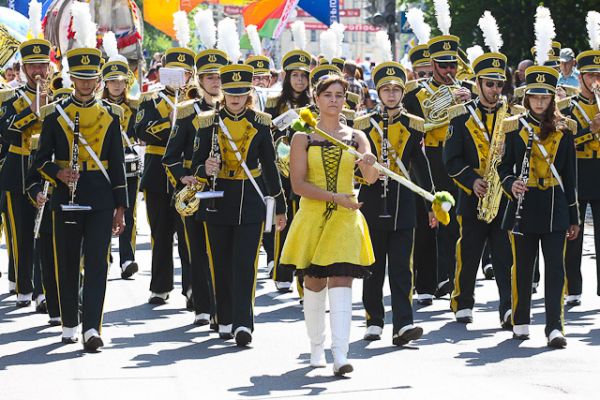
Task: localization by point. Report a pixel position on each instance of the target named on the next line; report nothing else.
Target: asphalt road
(156, 352)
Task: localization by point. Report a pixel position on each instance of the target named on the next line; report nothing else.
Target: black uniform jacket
(587, 145)
(251, 132)
(405, 137)
(467, 151)
(153, 126)
(19, 127)
(178, 155)
(546, 207)
(99, 126)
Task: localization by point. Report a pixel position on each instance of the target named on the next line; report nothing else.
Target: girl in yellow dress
(328, 243)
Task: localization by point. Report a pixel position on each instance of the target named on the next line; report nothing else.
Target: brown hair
(549, 121)
(324, 84)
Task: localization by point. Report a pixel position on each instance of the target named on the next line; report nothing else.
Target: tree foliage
(515, 19)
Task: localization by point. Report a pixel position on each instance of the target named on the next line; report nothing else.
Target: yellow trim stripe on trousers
(211, 266)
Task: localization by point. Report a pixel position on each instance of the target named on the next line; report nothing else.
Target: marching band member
(115, 74)
(584, 110)
(243, 167)
(178, 161)
(295, 94)
(543, 200)
(81, 155)
(153, 126)
(20, 126)
(322, 174)
(473, 148)
(389, 207)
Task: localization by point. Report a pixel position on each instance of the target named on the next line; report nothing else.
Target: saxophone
(488, 205)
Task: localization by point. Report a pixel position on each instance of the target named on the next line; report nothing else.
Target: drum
(133, 165)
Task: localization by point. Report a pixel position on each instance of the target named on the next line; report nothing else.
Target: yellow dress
(326, 239)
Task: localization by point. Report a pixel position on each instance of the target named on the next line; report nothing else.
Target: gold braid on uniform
(331, 156)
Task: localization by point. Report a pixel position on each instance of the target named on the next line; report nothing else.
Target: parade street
(155, 352)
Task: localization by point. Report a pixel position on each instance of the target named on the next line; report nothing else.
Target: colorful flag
(158, 13)
(326, 12)
(269, 16)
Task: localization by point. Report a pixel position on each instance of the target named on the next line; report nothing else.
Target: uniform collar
(533, 120)
(81, 103)
(486, 110)
(234, 117)
(29, 89)
(169, 92)
(585, 100)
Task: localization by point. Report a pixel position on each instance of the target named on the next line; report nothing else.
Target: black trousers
(77, 235)
(425, 252)
(44, 250)
(21, 215)
(575, 248)
(233, 251)
(201, 275)
(525, 249)
(394, 249)
(127, 239)
(469, 249)
(164, 221)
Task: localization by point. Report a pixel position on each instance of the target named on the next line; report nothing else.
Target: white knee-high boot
(340, 317)
(314, 317)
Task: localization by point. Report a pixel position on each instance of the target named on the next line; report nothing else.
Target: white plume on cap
(229, 40)
(35, 19)
(420, 28)
(299, 34)
(593, 27)
(205, 28)
(64, 73)
(544, 34)
(109, 43)
(327, 43)
(254, 39)
(442, 14)
(83, 25)
(182, 28)
(382, 41)
(491, 34)
(338, 29)
(474, 52)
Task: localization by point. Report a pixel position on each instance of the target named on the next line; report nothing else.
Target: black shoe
(507, 325)
(343, 370)
(558, 343)
(12, 292)
(444, 289)
(488, 272)
(189, 303)
(110, 258)
(53, 322)
(243, 338)
(225, 336)
(158, 301)
(520, 337)
(201, 322)
(408, 336)
(93, 344)
(69, 340)
(42, 308)
(129, 270)
(23, 303)
(465, 320)
(424, 302)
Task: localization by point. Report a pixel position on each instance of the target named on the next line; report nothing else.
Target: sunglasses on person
(447, 65)
(423, 74)
(491, 84)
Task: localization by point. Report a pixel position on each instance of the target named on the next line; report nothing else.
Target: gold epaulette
(520, 92)
(133, 103)
(272, 101)
(563, 103)
(185, 109)
(6, 94)
(363, 122)
(206, 119)
(510, 124)
(262, 118)
(517, 109)
(47, 110)
(570, 90)
(148, 96)
(117, 110)
(415, 122)
(411, 85)
(571, 125)
(349, 114)
(456, 111)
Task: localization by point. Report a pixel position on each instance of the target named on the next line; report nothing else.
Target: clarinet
(524, 176)
(215, 152)
(386, 162)
(74, 158)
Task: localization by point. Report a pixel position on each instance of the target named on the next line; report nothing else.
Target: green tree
(515, 19)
